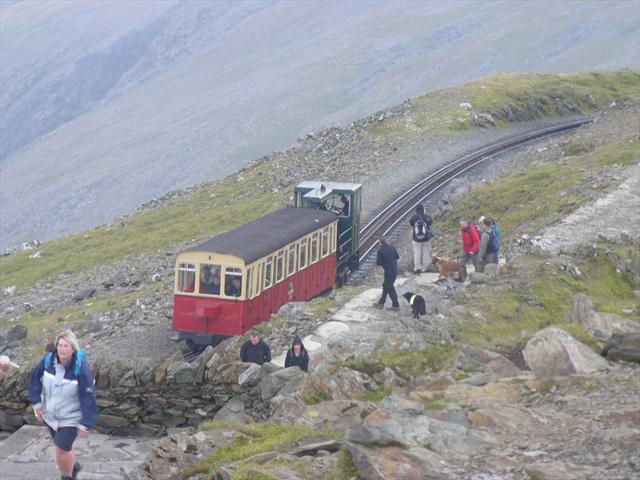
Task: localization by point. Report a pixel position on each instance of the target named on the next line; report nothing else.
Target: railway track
(385, 221)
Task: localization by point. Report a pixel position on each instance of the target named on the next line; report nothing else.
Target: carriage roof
(261, 237)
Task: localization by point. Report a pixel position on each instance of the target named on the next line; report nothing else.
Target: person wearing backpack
(62, 392)
(485, 252)
(422, 234)
(495, 244)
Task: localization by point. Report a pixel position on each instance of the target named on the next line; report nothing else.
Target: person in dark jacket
(297, 356)
(421, 239)
(388, 260)
(62, 392)
(255, 350)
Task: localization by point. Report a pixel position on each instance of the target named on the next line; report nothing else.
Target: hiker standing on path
(388, 260)
(485, 253)
(470, 242)
(62, 392)
(421, 239)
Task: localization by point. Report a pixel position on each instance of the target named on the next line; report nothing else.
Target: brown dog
(448, 267)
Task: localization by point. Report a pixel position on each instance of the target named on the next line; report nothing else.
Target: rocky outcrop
(554, 352)
(385, 428)
(623, 346)
(601, 325)
(473, 359)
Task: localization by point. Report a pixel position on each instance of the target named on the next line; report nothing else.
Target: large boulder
(553, 352)
(560, 471)
(623, 346)
(275, 381)
(394, 463)
(604, 325)
(383, 427)
(344, 384)
(234, 412)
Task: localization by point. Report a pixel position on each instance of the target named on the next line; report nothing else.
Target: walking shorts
(64, 437)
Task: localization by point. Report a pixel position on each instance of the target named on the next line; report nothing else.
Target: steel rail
(399, 208)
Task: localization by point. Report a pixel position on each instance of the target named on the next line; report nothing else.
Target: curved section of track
(390, 216)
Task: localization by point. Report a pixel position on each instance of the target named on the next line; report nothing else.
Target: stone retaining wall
(135, 396)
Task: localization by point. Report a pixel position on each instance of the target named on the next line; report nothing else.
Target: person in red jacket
(470, 242)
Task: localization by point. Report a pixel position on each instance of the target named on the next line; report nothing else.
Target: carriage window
(292, 260)
(233, 282)
(314, 247)
(280, 266)
(209, 279)
(325, 242)
(302, 258)
(268, 273)
(186, 277)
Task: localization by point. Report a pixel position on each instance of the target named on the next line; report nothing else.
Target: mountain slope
(107, 105)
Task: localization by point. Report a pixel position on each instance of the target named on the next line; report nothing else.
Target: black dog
(418, 306)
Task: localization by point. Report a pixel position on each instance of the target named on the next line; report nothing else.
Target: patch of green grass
(257, 438)
(436, 405)
(510, 314)
(413, 363)
(439, 112)
(543, 193)
(405, 363)
(205, 213)
(41, 324)
(367, 366)
(315, 397)
(344, 468)
(380, 394)
(320, 307)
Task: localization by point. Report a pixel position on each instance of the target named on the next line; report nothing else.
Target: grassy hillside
(225, 204)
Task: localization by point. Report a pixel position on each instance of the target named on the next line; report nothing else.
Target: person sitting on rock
(297, 355)
(255, 350)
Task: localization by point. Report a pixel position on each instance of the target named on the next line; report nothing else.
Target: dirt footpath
(612, 216)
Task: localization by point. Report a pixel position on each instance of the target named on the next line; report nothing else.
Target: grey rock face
(623, 346)
(386, 428)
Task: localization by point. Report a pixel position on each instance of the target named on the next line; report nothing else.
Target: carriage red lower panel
(214, 316)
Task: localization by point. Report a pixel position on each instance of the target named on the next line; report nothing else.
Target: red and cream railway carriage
(236, 280)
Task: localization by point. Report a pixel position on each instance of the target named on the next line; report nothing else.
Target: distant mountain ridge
(106, 105)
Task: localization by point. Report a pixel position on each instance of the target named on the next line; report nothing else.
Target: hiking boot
(64, 477)
(394, 308)
(379, 306)
(76, 468)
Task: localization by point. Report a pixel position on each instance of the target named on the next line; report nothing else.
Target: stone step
(28, 454)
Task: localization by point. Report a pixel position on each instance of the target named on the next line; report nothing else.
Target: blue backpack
(494, 239)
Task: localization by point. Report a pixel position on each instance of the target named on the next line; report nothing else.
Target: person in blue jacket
(62, 392)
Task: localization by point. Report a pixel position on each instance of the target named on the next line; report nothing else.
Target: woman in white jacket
(62, 392)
